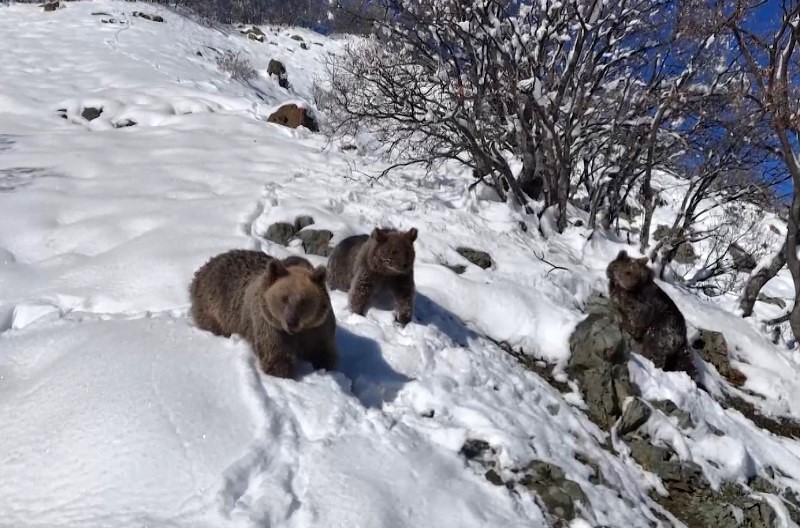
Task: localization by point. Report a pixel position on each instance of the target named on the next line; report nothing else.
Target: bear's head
(391, 252)
(294, 296)
(627, 273)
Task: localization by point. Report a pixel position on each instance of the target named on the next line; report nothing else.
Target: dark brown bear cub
(366, 266)
(649, 315)
(280, 307)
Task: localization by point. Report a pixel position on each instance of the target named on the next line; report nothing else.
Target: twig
(553, 267)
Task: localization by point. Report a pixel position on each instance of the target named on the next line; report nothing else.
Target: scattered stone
(50, 6)
(256, 37)
(147, 16)
(198, 54)
(474, 448)
(124, 123)
(318, 44)
(303, 221)
(303, 45)
(578, 223)
(480, 258)
(776, 301)
(635, 415)
(492, 476)
(277, 69)
(90, 114)
(316, 241)
(599, 363)
(280, 233)
(742, 260)
(774, 229)
(292, 116)
(297, 37)
(63, 113)
(669, 408)
(558, 493)
(101, 13)
(458, 269)
(712, 347)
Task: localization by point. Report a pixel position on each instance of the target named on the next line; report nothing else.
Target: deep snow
(118, 412)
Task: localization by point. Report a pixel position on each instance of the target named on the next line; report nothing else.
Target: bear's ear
(319, 274)
(275, 270)
(379, 235)
(642, 261)
(622, 255)
(412, 234)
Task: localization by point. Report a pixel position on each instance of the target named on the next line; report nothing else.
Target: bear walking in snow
(368, 265)
(280, 307)
(649, 315)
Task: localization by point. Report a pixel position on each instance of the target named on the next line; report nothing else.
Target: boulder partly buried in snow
(480, 258)
(277, 69)
(293, 116)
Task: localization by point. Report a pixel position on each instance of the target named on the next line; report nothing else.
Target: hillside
(118, 411)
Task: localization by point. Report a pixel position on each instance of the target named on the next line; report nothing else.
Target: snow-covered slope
(117, 411)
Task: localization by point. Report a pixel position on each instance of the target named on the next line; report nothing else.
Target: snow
(122, 413)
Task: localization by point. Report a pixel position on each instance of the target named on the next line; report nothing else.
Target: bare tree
(772, 63)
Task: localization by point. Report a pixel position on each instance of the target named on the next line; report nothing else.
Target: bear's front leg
(403, 292)
(360, 293)
(274, 355)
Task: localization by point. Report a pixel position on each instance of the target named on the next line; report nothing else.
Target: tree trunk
(758, 279)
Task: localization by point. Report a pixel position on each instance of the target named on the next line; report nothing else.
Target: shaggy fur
(649, 315)
(370, 265)
(280, 307)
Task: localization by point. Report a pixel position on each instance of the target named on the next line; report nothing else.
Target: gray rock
(636, 413)
(480, 258)
(280, 233)
(303, 45)
(303, 221)
(475, 448)
(713, 348)
(316, 241)
(90, 114)
(492, 476)
(277, 69)
(669, 408)
(776, 301)
(597, 342)
(742, 260)
(297, 37)
(458, 269)
(558, 494)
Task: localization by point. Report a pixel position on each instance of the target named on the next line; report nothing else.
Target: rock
(480, 258)
(669, 408)
(123, 123)
(598, 303)
(257, 38)
(742, 260)
(297, 37)
(280, 233)
(62, 112)
(475, 448)
(316, 241)
(777, 301)
(635, 415)
(292, 116)
(277, 69)
(558, 494)
(599, 363)
(303, 45)
(50, 6)
(712, 348)
(458, 269)
(147, 16)
(90, 114)
(493, 477)
(685, 254)
(100, 13)
(303, 221)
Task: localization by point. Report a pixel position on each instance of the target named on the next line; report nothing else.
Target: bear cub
(281, 307)
(368, 265)
(649, 315)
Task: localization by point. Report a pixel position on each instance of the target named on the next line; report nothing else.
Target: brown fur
(649, 315)
(280, 307)
(365, 266)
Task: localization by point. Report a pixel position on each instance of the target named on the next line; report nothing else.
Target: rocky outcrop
(293, 116)
(314, 241)
(278, 70)
(147, 16)
(713, 348)
(480, 258)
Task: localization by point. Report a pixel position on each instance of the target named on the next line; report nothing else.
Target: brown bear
(648, 314)
(280, 307)
(367, 265)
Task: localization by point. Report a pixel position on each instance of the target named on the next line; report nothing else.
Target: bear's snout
(291, 320)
